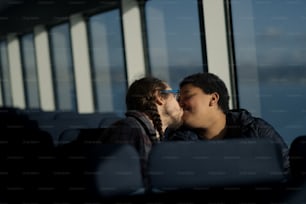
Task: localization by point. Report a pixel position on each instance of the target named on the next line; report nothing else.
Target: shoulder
(133, 119)
(251, 126)
(244, 118)
(240, 116)
(134, 127)
(124, 126)
(182, 133)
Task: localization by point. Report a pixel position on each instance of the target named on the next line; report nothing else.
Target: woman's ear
(159, 99)
(214, 99)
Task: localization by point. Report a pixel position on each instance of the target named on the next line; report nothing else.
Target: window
(174, 39)
(63, 74)
(30, 71)
(109, 75)
(269, 39)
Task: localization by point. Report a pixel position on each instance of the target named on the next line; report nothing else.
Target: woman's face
(171, 111)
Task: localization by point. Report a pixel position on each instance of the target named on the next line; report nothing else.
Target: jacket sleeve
(265, 130)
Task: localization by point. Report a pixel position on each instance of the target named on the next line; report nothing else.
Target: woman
(152, 106)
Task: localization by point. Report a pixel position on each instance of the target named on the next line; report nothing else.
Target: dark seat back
(297, 155)
(222, 163)
(96, 171)
(26, 156)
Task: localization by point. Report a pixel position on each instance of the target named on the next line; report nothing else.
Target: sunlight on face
(195, 104)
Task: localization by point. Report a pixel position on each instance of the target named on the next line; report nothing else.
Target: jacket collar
(144, 121)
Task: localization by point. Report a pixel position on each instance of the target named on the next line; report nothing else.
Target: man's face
(196, 106)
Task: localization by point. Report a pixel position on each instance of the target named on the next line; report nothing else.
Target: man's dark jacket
(240, 124)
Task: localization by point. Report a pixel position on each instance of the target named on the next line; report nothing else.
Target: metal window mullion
(16, 71)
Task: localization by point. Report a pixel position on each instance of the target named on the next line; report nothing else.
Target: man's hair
(209, 83)
(141, 97)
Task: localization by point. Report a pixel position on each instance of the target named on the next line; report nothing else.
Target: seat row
(91, 172)
(56, 123)
(214, 172)
(33, 170)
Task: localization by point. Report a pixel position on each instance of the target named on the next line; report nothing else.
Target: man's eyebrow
(185, 91)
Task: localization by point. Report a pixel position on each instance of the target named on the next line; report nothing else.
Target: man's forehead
(188, 88)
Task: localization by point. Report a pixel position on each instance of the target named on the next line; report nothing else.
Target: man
(206, 115)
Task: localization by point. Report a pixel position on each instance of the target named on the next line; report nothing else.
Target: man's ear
(214, 99)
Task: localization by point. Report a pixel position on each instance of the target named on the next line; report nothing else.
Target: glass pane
(270, 55)
(30, 71)
(174, 39)
(64, 84)
(109, 75)
(5, 76)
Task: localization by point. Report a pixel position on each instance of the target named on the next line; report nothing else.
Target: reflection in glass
(30, 71)
(270, 44)
(109, 76)
(5, 76)
(64, 83)
(174, 39)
